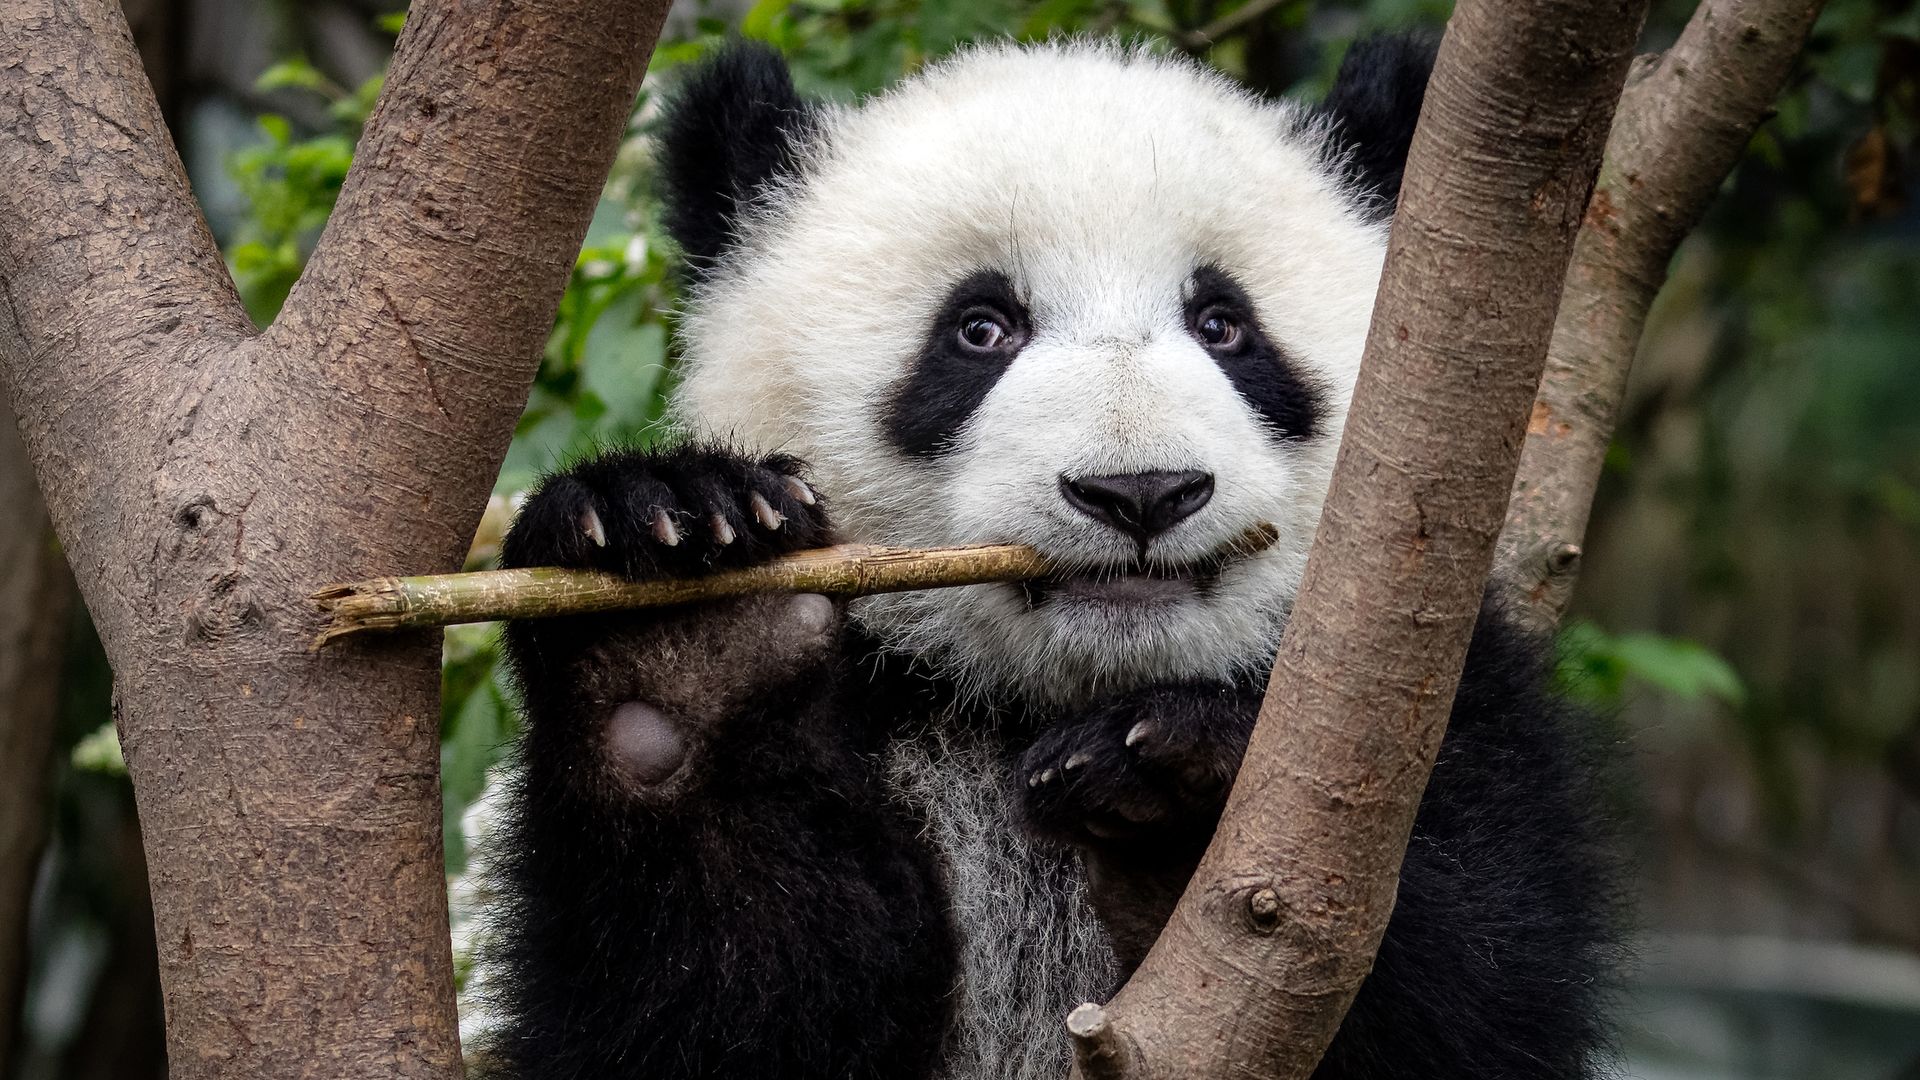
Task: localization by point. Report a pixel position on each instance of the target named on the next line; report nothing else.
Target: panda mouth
(1125, 586)
(1146, 584)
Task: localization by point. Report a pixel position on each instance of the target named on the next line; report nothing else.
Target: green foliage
(1599, 667)
(290, 185)
(99, 752)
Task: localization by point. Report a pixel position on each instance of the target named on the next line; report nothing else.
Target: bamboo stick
(409, 603)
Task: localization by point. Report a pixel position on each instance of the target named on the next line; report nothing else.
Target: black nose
(1142, 505)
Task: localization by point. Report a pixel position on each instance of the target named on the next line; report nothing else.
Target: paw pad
(645, 744)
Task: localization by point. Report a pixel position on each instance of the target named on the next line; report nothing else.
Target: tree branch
(89, 312)
(1281, 921)
(1683, 122)
(204, 482)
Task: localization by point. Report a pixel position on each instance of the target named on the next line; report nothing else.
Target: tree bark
(1685, 118)
(36, 596)
(205, 480)
(1280, 922)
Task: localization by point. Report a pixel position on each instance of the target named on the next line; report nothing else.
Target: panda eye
(1217, 328)
(984, 331)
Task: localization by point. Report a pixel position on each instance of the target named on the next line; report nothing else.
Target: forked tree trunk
(1685, 118)
(205, 479)
(1280, 923)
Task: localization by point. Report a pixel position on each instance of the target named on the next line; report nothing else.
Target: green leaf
(483, 728)
(1596, 666)
(277, 128)
(295, 73)
(99, 752)
(1686, 669)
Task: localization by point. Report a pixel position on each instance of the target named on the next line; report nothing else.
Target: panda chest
(1030, 946)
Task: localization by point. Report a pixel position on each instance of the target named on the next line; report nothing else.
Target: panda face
(1072, 296)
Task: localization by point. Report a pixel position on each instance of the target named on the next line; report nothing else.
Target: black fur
(1260, 370)
(691, 486)
(764, 911)
(733, 127)
(948, 382)
(1498, 958)
(1375, 104)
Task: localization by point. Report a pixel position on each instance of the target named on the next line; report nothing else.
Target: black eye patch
(1260, 370)
(953, 372)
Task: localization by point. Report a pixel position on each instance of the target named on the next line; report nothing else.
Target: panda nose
(1143, 505)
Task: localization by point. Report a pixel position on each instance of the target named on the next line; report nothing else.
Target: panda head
(1072, 295)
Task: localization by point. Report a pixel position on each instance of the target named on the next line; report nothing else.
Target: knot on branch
(226, 608)
(1263, 909)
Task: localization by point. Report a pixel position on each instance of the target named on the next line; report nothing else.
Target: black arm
(701, 874)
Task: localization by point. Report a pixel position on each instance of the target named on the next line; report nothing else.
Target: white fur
(1097, 178)
(1031, 947)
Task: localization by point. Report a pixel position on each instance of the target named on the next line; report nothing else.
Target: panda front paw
(1155, 762)
(677, 512)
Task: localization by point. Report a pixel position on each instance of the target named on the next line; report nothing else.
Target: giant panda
(1075, 295)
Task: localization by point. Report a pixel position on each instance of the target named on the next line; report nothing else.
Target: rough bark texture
(1281, 921)
(1684, 120)
(205, 481)
(36, 595)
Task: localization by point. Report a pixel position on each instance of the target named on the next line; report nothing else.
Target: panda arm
(700, 874)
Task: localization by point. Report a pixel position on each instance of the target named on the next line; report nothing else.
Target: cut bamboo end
(408, 603)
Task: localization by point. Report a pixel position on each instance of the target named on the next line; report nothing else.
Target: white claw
(1140, 731)
(1076, 761)
(663, 529)
(722, 532)
(764, 512)
(590, 524)
(798, 489)
(1041, 777)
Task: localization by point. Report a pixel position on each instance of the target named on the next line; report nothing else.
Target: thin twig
(1239, 18)
(407, 603)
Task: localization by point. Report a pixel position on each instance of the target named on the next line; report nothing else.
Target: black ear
(733, 125)
(1375, 103)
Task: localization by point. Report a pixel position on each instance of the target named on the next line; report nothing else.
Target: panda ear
(1374, 105)
(733, 125)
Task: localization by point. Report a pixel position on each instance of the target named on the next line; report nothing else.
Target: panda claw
(798, 489)
(591, 525)
(764, 512)
(1042, 777)
(722, 532)
(1076, 761)
(663, 528)
(1139, 733)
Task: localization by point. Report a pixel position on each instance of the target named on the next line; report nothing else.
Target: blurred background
(1749, 614)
